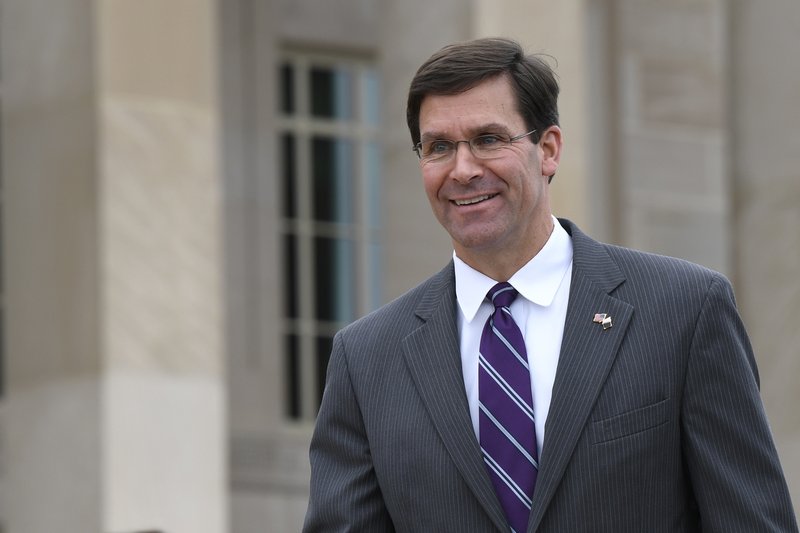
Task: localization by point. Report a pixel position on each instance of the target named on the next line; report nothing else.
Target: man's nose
(466, 166)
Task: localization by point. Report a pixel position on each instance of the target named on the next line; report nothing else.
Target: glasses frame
(417, 148)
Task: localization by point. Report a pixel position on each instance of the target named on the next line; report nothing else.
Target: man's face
(495, 207)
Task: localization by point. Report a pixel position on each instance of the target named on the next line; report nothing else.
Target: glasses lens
(484, 145)
(436, 149)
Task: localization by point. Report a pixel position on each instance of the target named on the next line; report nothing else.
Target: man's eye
(440, 147)
(488, 140)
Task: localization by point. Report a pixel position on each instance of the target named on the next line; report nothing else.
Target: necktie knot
(502, 294)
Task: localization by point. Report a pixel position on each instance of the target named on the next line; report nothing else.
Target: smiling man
(542, 381)
(491, 193)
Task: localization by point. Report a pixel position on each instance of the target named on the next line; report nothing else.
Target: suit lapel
(587, 354)
(433, 358)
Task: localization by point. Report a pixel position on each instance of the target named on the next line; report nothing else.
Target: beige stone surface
(351, 24)
(163, 443)
(252, 207)
(161, 229)
(765, 162)
(114, 409)
(768, 292)
(672, 154)
(51, 349)
(253, 513)
(51, 445)
(163, 50)
(665, 84)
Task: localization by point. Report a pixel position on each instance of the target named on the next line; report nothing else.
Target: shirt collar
(537, 281)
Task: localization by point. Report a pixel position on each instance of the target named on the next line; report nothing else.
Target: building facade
(196, 195)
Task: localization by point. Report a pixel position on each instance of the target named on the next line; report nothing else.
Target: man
(542, 381)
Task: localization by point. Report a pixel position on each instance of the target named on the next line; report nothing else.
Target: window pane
(373, 181)
(373, 277)
(292, 367)
(290, 295)
(288, 174)
(332, 164)
(334, 279)
(287, 89)
(371, 97)
(331, 93)
(324, 346)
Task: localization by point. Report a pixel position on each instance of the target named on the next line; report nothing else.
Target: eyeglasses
(484, 146)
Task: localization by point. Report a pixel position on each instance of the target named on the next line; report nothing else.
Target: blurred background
(196, 194)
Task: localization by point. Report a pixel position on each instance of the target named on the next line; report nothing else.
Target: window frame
(304, 377)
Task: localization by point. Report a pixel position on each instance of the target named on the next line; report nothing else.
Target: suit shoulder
(590, 256)
(633, 261)
(661, 276)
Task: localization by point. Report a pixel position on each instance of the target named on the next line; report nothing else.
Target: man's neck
(501, 264)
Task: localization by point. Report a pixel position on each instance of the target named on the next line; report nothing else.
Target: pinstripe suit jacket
(655, 424)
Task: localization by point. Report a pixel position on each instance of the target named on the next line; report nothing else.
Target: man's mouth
(475, 200)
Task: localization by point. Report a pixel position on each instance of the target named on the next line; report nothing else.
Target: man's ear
(550, 144)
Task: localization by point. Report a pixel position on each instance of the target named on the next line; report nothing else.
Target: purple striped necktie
(507, 431)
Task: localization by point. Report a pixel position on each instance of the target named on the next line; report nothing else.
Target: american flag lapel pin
(602, 319)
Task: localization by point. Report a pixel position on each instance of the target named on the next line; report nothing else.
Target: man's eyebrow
(491, 127)
(432, 136)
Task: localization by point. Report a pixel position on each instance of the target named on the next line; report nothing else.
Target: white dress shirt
(539, 311)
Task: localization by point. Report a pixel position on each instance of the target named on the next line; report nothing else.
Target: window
(330, 176)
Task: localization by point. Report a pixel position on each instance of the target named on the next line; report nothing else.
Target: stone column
(115, 418)
(765, 163)
(670, 128)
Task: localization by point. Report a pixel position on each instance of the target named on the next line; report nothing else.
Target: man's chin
(476, 243)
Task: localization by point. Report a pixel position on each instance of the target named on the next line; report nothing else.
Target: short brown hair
(459, 67)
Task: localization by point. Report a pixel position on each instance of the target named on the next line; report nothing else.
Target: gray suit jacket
(655, 423)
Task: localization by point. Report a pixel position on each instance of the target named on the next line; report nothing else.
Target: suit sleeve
(730, 455)
(345, 496)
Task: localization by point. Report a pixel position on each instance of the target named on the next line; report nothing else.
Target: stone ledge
(274, 463)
